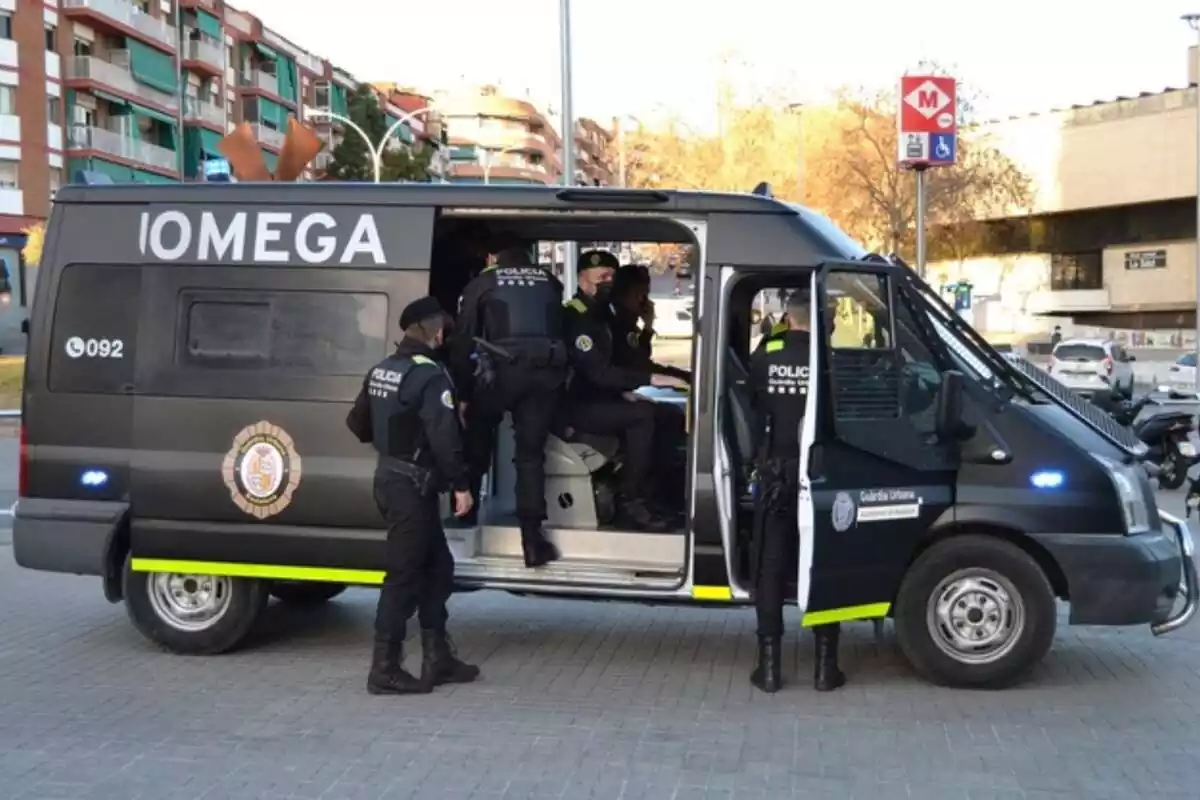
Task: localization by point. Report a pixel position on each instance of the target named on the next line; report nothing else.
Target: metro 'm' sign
(928, 104)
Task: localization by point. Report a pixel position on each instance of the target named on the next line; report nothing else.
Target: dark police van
(194, 351)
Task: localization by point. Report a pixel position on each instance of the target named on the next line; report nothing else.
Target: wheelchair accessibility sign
(942, 150)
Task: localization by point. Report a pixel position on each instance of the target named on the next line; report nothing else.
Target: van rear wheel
(192, 614)
(975, 612)
(305, 593)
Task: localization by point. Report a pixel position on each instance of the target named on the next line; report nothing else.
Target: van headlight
(1127, 481)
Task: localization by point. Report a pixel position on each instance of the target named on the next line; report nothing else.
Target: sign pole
(567, 133)
(1193, 20)
(920, 220)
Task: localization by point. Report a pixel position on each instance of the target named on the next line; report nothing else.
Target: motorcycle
(1168, 435)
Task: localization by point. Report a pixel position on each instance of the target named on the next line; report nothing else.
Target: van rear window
(309, 333)
(1080, 352)
(95, 329)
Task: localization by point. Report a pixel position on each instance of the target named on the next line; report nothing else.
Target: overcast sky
(633, 56)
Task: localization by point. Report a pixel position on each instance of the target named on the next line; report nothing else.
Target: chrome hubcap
(190, 603)
(975, 616)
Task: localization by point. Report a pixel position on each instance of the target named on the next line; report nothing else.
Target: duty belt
(424, 479)
(544, 353)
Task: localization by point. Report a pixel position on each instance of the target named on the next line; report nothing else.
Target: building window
(51, 38)
(1076, 271)
(53, 111)
(6, 25)
(55, 180)
(8, 100)
(82, 48)
(8, 175)
(321, 94)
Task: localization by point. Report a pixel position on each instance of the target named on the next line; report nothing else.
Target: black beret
(597, 258)
(420, 310)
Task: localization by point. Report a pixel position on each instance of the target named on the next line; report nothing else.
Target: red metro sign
(928, 104)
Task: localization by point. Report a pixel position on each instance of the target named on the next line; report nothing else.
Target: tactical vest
(395, 418)
(784, 391)
(525, 304)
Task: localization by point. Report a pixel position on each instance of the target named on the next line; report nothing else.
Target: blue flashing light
(1047, 479)
(94, 478)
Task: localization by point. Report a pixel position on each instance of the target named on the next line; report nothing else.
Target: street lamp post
(376, 151)
(801, 166)
(1193, 20)
(621, 169)
(568, 132)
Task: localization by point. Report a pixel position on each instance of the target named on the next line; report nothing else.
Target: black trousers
(669, 460)
(633, 422)
(775, 555)
(531, 395)
(420, 567)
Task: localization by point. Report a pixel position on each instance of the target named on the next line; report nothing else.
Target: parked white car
(673, 317)
(1181, 377)
(1092, 365)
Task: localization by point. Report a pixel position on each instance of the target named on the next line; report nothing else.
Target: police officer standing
(602, 399)
(406, 409)
(779, 376)
(516, 308)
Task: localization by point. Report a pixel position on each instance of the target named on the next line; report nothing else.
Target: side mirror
(949, 417)
(25, 326)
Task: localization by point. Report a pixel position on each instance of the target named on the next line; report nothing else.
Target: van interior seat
(738, 414)
(594, 449)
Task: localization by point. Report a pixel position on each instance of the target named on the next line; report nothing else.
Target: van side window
(864, 365)
(95, 329)
(311, 333)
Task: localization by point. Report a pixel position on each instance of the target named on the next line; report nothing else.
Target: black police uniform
(517, 308)
(633, 349)
(406, 409)
(779, 374)
(595, 397)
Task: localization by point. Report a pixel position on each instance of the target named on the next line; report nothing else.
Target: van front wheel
(192, 614)
(975, 612)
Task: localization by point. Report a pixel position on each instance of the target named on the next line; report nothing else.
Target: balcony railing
(200, 50)
(129, 15)
(196, 111)
(268, 136)
(118, 77)
(118, 144)
(261, 80)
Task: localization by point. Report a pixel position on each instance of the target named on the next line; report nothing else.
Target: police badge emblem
(584, 343)
(262, 470)
(843, 512)
(632, 339)
(595, 259)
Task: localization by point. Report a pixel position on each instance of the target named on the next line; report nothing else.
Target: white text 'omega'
(271, 237)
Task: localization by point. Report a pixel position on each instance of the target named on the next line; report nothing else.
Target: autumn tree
(859, 183)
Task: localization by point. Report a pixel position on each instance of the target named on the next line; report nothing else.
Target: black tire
(306, 593)
(1005, 560)
(1179, 468)
(246, 600)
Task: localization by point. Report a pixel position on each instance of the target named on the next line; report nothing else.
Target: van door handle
(126, 388)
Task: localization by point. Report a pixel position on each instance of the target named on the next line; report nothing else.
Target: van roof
(424, 194)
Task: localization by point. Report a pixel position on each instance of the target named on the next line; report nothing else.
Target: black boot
(387, 676)
(537, 549)
(768, 675)
(439, 661)
(827, 676)
(635, 515)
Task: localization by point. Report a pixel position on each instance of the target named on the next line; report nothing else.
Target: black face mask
(603, 293)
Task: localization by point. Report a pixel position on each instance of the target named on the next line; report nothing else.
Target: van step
(662, 552)
(492, 570)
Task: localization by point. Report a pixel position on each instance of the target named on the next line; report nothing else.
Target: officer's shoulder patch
(632, 338)
(575, 304)
(774, 346)
(423, 360)
(448, 399)
(583, 342)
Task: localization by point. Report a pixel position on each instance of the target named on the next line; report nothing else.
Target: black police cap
(597, 258)
(420, 310)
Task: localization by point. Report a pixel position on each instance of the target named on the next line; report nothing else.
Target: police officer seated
(509, 356)
(601, 395)
(632, 349)
(406, 409)
(779, 375)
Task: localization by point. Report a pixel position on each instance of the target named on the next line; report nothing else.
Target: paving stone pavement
(579, 700)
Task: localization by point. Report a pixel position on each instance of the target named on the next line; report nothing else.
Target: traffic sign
(928, 111)
(942, 148)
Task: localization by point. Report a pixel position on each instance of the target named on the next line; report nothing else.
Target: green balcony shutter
(209, 25)
(286, 74)
(271, 160)
(271, 111)
(152, 67)
(338, 101)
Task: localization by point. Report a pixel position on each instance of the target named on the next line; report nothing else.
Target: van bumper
(72, 536)
(1148, 578)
